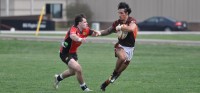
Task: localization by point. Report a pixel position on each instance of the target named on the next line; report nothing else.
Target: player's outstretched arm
(95, 33)
(107, 31)
(76, 38)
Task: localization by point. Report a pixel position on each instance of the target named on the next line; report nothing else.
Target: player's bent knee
(78, 69)
(72, 73)
(123, 59)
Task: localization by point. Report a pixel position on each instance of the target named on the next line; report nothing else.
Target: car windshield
(171, 19)
(151, 20)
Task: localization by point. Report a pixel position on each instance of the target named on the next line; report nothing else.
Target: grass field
(29, 66)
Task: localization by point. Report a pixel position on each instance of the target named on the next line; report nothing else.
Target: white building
(106, 10)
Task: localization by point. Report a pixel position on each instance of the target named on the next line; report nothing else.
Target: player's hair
(125, 6)
(78, 18)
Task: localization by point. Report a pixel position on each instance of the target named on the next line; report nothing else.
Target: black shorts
(66, 57)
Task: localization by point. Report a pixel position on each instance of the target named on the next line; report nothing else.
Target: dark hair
(125, 6)
(78, 18)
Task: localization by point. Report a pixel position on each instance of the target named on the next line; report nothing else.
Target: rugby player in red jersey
(68, 52)
(125, 45)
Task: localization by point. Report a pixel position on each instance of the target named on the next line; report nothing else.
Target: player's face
(83, 24)
(122, 14)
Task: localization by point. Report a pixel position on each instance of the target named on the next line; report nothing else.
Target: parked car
(162, 24)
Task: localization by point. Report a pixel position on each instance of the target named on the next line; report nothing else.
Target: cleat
(104, 85)
(56, 82)
(87, 90)
(103, 88)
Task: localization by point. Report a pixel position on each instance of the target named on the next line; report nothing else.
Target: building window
(55, 10)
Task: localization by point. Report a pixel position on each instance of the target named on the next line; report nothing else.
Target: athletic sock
(60, 78)
(83, 86)
(114, 73)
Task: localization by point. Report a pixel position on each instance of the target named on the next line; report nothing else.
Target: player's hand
(118, 28)
(83, 40)
(121, 27)
(98, 33)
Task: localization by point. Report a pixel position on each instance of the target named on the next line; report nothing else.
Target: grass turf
(29, 66)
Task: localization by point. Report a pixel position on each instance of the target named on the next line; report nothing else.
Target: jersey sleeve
(114, 25)
(131, 19)
(90, 31)
(73, 30)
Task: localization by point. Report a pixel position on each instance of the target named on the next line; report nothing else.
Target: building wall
(3, 8)
(23, 7)
(37, 6)
(106, 10)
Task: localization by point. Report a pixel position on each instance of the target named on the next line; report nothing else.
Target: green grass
(29, 66)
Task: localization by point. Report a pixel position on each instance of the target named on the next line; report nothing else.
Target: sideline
(99, 40)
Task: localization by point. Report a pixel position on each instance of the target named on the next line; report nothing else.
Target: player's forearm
(129, 28)
(106, 31)
(75, 37)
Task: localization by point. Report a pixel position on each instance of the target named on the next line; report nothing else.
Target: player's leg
(109, 80)
(123, 67)
(120, 53)
(119, 71)
(128, 52)
(65, 58)
(78, 71)
(67, 73)
(105, 84)
(60, 77)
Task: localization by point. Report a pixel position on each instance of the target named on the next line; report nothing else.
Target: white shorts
(129, 52)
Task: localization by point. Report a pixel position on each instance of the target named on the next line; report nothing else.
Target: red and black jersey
(129, 40)
(71, 46)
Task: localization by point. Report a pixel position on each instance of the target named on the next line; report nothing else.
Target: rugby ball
(122, 34)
